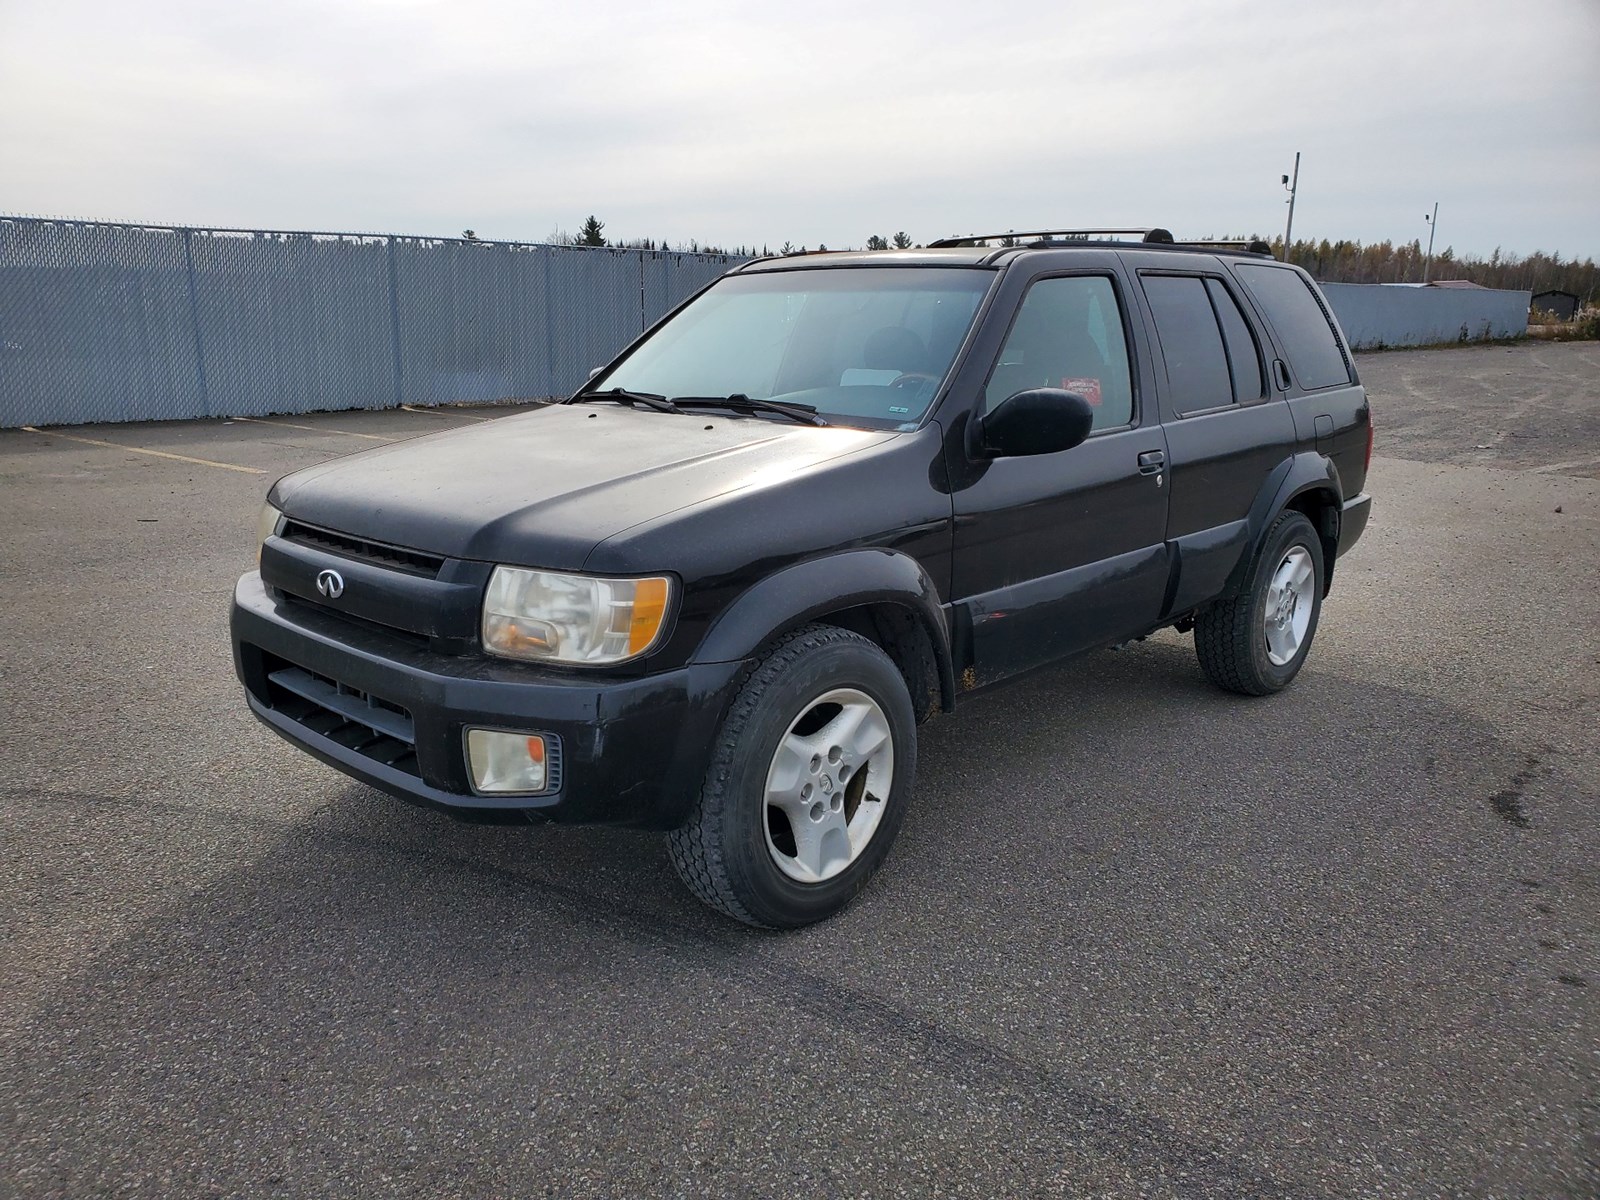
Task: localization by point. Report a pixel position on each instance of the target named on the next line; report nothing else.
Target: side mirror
(1036, 421)
(595, 371)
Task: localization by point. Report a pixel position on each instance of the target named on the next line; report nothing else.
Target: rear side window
(1299, 320)
(1191, 342)
(1243, 357)
(1068, 334)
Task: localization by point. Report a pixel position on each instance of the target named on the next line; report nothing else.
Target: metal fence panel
(103, 322)
(293, 323)
(1377, 315)
(472, 321)
(656, 288)
(596, 309)
(96, 324)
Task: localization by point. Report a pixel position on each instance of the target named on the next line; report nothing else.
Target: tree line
(1341, 261)
(593, 233)
(1345, 261)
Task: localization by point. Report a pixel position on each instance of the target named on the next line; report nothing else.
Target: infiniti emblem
(330, 584)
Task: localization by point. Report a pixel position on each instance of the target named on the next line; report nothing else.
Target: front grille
(342, 544)
(368, 724)
(420, 640)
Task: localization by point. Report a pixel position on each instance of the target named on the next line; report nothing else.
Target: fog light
(506, 762)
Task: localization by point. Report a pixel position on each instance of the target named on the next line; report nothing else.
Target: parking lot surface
(1138, 937)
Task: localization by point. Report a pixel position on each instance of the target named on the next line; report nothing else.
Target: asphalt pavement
(1137, 938)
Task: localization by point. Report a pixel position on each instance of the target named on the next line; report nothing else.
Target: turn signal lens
(649, 609)
(579, 619)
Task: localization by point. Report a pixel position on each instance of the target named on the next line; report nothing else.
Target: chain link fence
(105, 322)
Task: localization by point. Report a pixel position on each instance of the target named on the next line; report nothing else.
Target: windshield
(864, 346)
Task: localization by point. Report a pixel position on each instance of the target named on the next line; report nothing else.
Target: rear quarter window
(1300, 322)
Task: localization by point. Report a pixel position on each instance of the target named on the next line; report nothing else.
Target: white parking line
(371, 437)
(204, 462)
(428, 412)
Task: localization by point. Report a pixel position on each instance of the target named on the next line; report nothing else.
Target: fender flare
(1294, 477)
(804, 591)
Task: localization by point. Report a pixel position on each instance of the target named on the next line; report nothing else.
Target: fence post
(394, 325)
(644, 309)
(194, 321)
(549, 323)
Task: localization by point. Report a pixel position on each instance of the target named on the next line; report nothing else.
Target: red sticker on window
(1089, 389)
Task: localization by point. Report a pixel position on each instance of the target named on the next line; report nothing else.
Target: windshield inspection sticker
(896, 408)
(1089, 389)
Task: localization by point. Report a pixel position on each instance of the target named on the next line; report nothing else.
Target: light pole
(1433, 224)
(1292, 188)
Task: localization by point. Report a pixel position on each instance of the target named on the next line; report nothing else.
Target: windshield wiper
(624, 396)
(806, 414)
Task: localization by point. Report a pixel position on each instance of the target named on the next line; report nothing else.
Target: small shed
(1562, 305)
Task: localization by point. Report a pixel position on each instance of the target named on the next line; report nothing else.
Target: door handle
(1152, 462)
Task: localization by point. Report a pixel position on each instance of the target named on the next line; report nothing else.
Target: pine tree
(592, 233)
(901, 241)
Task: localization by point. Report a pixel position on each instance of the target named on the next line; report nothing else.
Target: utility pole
(1288, 228)
(1433, 224)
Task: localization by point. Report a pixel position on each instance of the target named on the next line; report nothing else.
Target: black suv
(716, 590)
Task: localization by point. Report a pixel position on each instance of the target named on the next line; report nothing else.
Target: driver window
(1068, 334)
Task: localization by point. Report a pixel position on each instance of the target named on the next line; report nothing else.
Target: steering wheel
(911, 377)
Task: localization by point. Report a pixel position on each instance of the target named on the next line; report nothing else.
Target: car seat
(887, 354)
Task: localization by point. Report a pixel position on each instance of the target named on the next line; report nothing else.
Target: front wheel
(1256, 642)
(808, 783)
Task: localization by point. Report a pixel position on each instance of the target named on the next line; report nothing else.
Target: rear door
(1316, 373)
(1226, 430)
(1058, 553)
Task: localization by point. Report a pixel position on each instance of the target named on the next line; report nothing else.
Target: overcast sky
(810, 121)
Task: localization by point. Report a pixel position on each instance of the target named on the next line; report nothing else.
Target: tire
(789, 827)
(1255, 642)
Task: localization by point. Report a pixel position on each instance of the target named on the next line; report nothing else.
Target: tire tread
(1224, 634)
(695, 847)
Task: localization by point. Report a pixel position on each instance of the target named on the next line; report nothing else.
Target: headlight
(266, 525)
(548, 617)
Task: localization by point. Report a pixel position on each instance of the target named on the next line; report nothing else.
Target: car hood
(543, 488)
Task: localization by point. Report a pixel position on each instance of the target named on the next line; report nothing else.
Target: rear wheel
(807, 786)
(1255, 642)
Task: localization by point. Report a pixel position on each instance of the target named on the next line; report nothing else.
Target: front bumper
(633, 751)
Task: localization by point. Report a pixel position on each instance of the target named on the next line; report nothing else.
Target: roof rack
(1024, 235)
(1036, 238)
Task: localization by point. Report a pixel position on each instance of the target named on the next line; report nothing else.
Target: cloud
(742, 122)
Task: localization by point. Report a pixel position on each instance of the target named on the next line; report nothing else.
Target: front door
(1058, 553)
